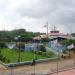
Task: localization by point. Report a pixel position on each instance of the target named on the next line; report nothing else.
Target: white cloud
(33, 14)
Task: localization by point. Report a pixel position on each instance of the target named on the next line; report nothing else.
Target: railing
(30, 62)
(61, 68)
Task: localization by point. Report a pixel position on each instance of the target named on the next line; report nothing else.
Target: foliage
(42, 48)
(45, 40)
(12, 55)
(7, 36)
(67, 42)
(39, 53)
(2, 58)
(50, 54)
(44, 53)
(2, 44)
(73, 34)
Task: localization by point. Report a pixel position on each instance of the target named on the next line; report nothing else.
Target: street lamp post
(19, 48)
(35, 57)
(58, 62)
(18, 40)
(57, 45)
(11, 67)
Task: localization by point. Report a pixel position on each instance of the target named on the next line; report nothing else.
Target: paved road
(46, 67)
(68, 72)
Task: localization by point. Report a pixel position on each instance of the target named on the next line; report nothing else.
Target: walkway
(68, 72)
(46, 67)
(42, 68)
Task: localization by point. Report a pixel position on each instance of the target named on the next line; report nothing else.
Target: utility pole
(54, 28)
(19, 37)
(11, 68)
(58, 63)
(46, 26)
(47, 29)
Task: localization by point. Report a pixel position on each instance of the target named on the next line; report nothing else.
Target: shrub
(4, 59)
(45, 40)
(44, 53)
(8, 61)
(0, 51)
(39, 53)
(42, 48)
(1, 56)
(50, 54)
(33, 51)
(2, 45)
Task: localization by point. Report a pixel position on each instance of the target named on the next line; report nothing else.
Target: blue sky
(33, 14)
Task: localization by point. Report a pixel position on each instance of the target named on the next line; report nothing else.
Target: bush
(44, 53)
(8, 61)
(39, 53)
(34, 51)
(4, 59)
(0, 51)
(42, 48)
(50, 54)
(1, 56)
(45, 40)
(2, 45)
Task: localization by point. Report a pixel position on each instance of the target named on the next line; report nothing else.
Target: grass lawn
(13, 55)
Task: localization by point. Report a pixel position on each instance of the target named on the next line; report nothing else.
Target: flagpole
(47, 29)
(46, 26)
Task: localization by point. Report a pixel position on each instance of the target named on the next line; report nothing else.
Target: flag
(45, 26)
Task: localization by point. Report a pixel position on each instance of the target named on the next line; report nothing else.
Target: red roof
(58, 34)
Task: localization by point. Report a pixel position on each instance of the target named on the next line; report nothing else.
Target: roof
(37, 38)
(57, 34)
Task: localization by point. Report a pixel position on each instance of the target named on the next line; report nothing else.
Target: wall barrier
(30, 62)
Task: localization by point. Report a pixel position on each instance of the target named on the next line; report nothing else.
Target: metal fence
(53, 70)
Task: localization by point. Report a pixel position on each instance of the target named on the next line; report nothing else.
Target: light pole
(58, 62)
(19, 48)
(18, 43)
(57, 45)
(46, 26)
(11, 67)
(35, 57)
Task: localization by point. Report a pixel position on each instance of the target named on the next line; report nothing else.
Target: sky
(34, 14)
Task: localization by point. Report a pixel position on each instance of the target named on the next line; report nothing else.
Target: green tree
(45, 40)
(67, 42)
(42, 48)
(2, 44)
